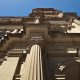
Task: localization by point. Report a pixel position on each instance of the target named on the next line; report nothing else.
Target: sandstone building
(41, 46)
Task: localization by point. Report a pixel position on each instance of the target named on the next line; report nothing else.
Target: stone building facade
(42, 46)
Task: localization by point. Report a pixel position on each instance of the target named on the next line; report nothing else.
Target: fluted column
(33, 65)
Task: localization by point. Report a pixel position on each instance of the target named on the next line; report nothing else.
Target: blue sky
(24, 7)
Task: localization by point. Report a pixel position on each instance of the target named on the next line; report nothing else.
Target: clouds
(24, 7)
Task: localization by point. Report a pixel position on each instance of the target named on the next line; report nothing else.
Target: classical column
(33, 65)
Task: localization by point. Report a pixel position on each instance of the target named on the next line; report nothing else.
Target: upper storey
(43, 14)
(57, 19)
